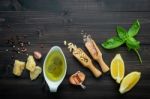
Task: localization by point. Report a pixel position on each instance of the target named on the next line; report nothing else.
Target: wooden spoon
(96, 54)
(81, 56)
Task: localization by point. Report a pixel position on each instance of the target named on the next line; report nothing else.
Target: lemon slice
(129, 82)
(117, 68)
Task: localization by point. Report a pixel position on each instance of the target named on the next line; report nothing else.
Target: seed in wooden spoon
(95, 52)
(77, 79)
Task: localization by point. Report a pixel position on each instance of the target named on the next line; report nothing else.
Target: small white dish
(53, 85)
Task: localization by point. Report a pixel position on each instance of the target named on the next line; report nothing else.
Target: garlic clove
(37, 55)
(77, 78)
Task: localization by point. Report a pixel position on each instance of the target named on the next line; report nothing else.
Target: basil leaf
(125, 37)
(134, 29)
(122, 33)
(132, 43)
(113, 43)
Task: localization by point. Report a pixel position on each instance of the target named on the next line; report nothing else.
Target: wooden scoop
(96, 54)
(81, 56)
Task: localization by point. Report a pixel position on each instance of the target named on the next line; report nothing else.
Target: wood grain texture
(50, 22)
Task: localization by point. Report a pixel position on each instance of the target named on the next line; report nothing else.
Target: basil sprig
(125, 37)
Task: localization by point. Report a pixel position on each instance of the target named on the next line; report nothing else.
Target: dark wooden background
(50, 22)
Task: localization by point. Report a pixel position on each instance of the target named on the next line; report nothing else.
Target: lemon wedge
(129, 82)
(117, 68)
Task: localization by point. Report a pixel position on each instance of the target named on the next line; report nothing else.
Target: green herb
(121, 33)
(113, 43)
(126, 37)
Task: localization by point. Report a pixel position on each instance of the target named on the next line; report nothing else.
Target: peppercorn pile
(19, 44)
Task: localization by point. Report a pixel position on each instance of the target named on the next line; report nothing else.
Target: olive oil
(55, 66)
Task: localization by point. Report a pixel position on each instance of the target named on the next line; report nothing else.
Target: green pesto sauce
(55, 66)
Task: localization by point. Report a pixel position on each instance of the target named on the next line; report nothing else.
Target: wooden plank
(50, 22)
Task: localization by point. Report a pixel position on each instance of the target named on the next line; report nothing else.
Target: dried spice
(19, 44)
(84, 59)
(95, 52)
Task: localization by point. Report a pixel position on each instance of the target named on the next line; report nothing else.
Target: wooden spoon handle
(94, 70)
(100, 60)
(103, 65)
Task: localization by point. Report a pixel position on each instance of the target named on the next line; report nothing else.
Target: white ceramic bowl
(53, 85)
